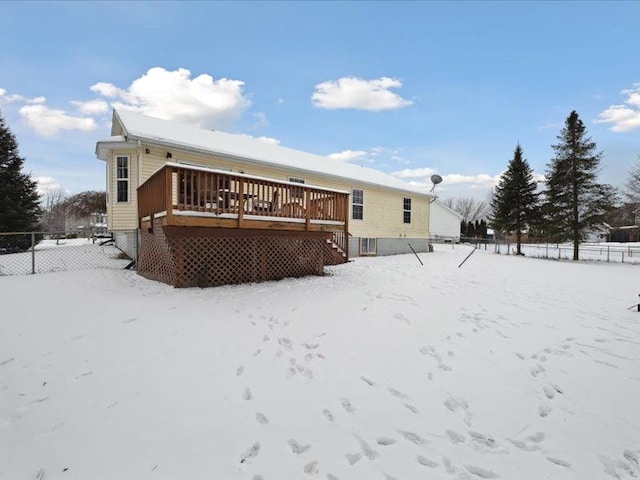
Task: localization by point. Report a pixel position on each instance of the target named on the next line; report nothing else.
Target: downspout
(138, 153)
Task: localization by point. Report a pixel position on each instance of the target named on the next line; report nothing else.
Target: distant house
(215, 207)
(444, 222)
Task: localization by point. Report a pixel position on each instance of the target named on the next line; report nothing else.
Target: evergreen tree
(19, 200)
(574, 201)
(463, 228)
(515, 201)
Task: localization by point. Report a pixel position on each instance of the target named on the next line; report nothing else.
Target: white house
(444, 223)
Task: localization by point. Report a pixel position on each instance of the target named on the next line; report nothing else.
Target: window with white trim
(367, 246)
(357, 204)
(407, 210)
(122, 178)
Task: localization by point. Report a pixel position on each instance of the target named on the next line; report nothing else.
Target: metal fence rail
(24, 253)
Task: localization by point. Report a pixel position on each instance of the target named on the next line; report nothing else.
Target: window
(122, 179)
(296, 192)
(407, 210)
(367, 246)
(357, 204)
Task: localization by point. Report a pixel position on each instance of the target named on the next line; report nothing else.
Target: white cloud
(6, 98)
(261, 120)
(347, 155)
(269, 140)
(359, 94)
(49, 122)
(408, 173)
(91, 107)
(46, 185)
(174, 95)
(624, 117)
(421, 177)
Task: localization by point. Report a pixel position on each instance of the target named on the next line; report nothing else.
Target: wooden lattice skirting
(203, 257)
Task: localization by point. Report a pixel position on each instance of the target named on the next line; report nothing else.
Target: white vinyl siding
(383, 219)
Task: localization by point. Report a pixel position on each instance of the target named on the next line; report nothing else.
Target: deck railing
(177, 188)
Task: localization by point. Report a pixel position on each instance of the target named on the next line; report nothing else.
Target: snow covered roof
(178, 135)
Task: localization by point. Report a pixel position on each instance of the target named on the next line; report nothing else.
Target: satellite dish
(435, 179)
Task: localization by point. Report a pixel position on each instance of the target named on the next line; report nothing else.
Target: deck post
(308, 208)
(169, 194)
(240, 203)
(345, 210)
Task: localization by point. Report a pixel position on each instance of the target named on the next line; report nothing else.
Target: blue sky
(409, 88)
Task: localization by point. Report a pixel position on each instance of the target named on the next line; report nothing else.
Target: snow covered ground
(508, 367)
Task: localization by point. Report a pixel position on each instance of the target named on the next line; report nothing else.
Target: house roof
(170, 134)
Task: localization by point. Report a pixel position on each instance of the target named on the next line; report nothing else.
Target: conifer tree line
(570, 204)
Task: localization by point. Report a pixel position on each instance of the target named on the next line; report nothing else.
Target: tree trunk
(518, 239)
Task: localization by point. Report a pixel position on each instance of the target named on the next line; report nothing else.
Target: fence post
(622, 256)
(33, 253)
(546, 255)
(607, 253)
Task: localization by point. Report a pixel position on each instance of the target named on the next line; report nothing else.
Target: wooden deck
(190, 196)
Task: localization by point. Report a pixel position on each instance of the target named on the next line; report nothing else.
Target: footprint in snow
(239, 370)
(130, 320)
(485, 440)
(396, 393)
(328, 415)
(559, 461)
(262, 419)
(371, 383)
(309, 346)
(297, 448)
(246, 394)
(537, 370)
(481, 472)
(411, 407)
(549, 392)
(8, 360)
(368, 452)
(536, 437)
(412, 437)
(311, 468)
(266, 338)
(353, 458)
(257, 352)
(544, 411)
(250, 453)
(346, 404)
(385, 441)
(524, 446)
(455, 437)
(426, 462)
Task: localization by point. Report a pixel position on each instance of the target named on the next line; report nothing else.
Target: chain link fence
(24, 253)
(595, 252)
